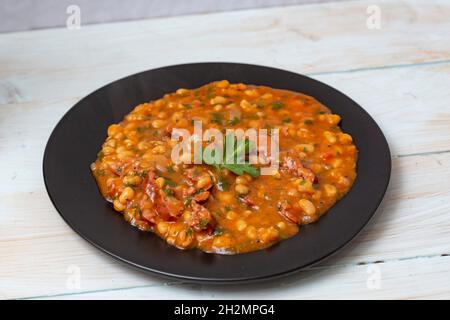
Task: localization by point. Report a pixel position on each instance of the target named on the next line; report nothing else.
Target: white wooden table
(399, 73)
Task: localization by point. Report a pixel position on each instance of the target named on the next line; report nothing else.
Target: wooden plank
(408, 279)
(60, 63)
(39, 257)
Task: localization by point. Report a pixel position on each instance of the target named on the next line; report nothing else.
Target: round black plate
(77, 138)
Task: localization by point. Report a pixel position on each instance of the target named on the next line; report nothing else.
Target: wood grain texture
(399, 74)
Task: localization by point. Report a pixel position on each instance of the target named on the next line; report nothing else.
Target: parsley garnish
(277, 105)
(229, 160)
(203, 223)
(234, 121)
(170, 183)
(168, 191)
(217, 118)
(223, 184)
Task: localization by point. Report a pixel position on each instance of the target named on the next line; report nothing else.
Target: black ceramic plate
(77, 138)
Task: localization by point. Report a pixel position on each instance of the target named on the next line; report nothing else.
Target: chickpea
(333, 118)
(222, 84)
(251, 232)
(252, 93)
(268, 235)
(159, 103)
(267, 96)
(127, 194)
(246, 105)
(181, 236)
(307, 206)
(304, 186)
(222, 242)
(218, 100)
(281, 225)
(204, 181)
(241, 86)
(158, 123)
(218, 107)
(108, 150)
(143, 145)
(344, 181)
(336, 163)
(345, 138)
(226, 197)
(162, 115)
(241, 225)
(241, 180)
(182, 91)
(160, 182)
(124, 155)
(159, 150)
(330, 136)
(242, 189)
(118, 205)
(114, 129)
(111, 143)
(231, 215)
(177, 116)
(162, 227)
(330, 190)
(317, 195)
(132, 180)
(187, 215)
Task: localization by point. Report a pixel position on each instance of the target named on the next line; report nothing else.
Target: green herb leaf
(277, 105)
(203, 223)
(187, 201)
(234, 121)
(170, 183)
(218, 231)
(223, 184)
(168, 191)
(217, 117)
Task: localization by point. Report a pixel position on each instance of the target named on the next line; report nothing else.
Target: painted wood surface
(400, 74)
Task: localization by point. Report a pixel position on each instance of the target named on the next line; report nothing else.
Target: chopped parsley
(218, 231)
(168, 191)
(217, 118)
(203, 223)
(234, 121)
(223, 184)
(277, 105)
(170, 183)
(187, 201)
